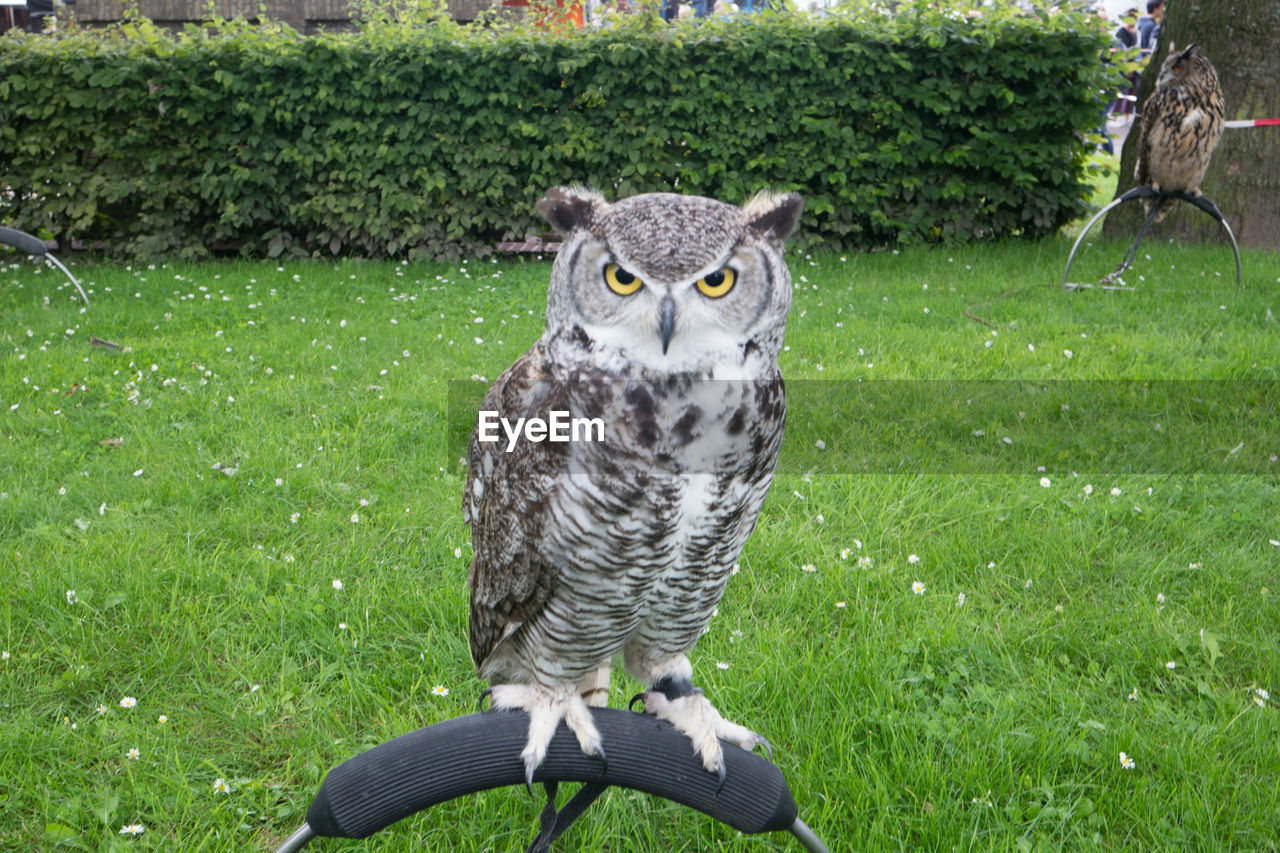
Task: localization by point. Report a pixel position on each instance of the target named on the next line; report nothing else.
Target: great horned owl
(665, 318)
(1181, 125)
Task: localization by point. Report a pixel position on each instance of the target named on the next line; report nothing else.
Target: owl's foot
(546, 707)
(679, 703)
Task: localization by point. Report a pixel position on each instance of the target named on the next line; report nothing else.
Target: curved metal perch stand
(1147, 192)
(477, 752)
(24, 242)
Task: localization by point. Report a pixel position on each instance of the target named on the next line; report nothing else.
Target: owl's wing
(506, 502)
(1152, 113)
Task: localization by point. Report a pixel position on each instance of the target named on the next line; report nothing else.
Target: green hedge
(427, 141)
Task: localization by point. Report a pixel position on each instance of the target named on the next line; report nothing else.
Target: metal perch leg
(1144, 192)
(24, 242)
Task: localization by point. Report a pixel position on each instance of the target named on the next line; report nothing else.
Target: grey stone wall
(302, 15)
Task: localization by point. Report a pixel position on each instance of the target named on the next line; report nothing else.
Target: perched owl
(1181, 125)
(665, 318)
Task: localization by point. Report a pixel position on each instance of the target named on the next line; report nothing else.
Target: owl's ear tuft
(569, 208)
(773, 216)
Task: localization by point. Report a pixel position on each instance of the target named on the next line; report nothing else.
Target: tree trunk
(1240, 38)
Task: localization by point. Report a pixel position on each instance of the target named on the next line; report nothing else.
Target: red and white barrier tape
(1252, 122)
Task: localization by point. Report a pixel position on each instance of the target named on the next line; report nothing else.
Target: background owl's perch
(1149, 196)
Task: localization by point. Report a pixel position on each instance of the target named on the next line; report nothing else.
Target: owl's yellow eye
(717, 284)
(620, 281)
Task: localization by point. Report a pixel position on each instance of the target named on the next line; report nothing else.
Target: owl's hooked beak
(667, 321)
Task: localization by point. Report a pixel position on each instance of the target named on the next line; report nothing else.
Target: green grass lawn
(249, 520)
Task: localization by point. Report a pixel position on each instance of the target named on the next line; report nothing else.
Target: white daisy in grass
(1171, 665)
(133, 754)
(1275, 543)
(917, 587)
(4, 655)
(913, 558)
(221, 786)
(337, 585)
(1262, 694)
(72, 597)
(857, 543)
(808, 567)
(457, 552)
(439, 690)
(355, 518)
(1045, 482)
(132, 829)
(864, 562)
(1133, 695)
(960, 599)
(1159, 598)
(721, 665)
(1126, 762)
(1115, 491)
(162, 719)
(128, 702)
(293, 519)
(100, 710)
(288, 558)
(1088, 489)
(844, 553)
(1259, 701)
(840, 604)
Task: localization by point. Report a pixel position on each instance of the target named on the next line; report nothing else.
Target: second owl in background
(665, 319)
(1181, 125)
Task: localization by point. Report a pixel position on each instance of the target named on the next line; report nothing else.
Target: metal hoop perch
(1142, 192)
(24, 242)
(465, 755)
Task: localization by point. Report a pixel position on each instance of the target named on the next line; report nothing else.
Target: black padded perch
(24, 242)
(1142, 192)
(465, 755)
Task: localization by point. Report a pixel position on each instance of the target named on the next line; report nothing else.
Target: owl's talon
(604, 759)
(639, 697)
(690, 712)
(530, 765)
(487, 693)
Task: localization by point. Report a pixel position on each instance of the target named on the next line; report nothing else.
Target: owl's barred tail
(594, 689)
(1162, 207)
